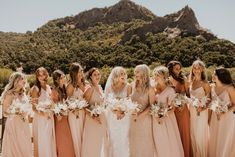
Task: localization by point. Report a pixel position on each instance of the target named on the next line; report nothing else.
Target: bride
(118, 122)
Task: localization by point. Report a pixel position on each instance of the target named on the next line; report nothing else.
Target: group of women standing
(186, 131)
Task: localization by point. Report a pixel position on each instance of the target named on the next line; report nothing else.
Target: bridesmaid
(141, 135)
(43, 123)
(118, 122)
(182, 115)
(166, 133)
(199, 88)
(75, 90)
(95, 135)
(64, 142)
(17, 137)
(222, 125)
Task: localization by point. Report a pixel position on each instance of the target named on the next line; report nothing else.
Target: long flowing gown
(77, 124)
(166, 134)
(64, 142)
(44, 129)
(199, 126)
(222, 130)
(119, 129)
(95, 136)
(183, 121)
(17, 136)
(141, 133)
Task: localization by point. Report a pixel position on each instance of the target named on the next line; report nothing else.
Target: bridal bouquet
(199, 103)
(75, 105)
(219, 106)
(22, 109)
(124, 105)
(180, 101)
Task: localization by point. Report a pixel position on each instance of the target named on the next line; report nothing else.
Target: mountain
(124, 34)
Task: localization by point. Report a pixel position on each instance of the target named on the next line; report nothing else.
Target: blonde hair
(11, 86)
(116, 74)
(203, 73)
(145, 76)
(162, 70)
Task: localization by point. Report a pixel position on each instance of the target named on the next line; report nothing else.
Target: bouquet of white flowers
(219, 106)
(199, 103)
(60, 109)
(97, 109)
(75, 105)
(180, 101)
(160, 110)
(20, 108)
(124, 105)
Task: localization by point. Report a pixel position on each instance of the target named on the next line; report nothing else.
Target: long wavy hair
(180, 77)
(12, 84)
(75, 68)
(203, 73)
(144, 71)
(37, 73)
(56, 75)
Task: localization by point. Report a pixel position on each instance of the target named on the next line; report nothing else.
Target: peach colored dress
(64, 142)
(199, 126)
(77, 124)
(222, 130)
(141, 133)
(44, 130)
(119, 129)
(166, 134)
(95, 135)
(183, 121)
(17, 136)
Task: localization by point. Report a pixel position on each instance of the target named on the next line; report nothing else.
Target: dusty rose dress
(166, 134)
(222, 130)
(44, 130)
(183, 121)
(77, 124)
(141, 133)
(199, 126)
(64, 142)
(17, 137)
(95, 135)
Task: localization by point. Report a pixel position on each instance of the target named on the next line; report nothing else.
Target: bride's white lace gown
(118, 129)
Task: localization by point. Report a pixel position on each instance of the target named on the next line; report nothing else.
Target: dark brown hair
(45, 72)
(170, 66)
(224, 76)
(73, 72)
(56, 75)
(90, 72)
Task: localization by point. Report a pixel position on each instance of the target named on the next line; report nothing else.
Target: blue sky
(23, 15)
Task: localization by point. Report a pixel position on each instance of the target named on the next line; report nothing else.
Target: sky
(27, 15)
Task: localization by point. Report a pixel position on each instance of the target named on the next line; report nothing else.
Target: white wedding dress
(118, 129)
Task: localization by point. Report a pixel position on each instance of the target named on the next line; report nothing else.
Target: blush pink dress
(17, 136)
(166, 134)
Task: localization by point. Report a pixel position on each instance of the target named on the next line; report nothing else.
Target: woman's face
(21, 83)
(42, 77)
(159, 78)
(95, 77)
(177, 69)
(197, 70)
(138, 76)
(122, 76)
(62, 80)
(80, 75)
